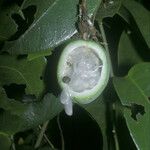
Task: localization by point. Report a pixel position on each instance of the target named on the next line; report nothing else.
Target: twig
(61, 133)
(115, 139)
(112, 74)
(13, 144)
(114, 130)
(48, 141)
(39, 139)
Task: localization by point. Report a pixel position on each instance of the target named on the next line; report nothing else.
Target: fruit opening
(81, 72)
(82, 69)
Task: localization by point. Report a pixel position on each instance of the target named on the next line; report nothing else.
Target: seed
(66, 79)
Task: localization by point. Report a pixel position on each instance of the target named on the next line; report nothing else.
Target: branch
(41, 135)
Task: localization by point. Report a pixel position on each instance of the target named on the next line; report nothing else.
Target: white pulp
(81, 72)
(66, 100)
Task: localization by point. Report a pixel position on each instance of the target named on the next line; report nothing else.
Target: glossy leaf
(53, 25)
(141, 17)
(39, 54)
(108, 9)
(18, 116)
(134, 92)
(124, 13)
(7, 25)
(127, 53)
(5, 142)
(20, 71)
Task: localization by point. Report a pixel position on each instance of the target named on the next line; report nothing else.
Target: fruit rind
(88, 95)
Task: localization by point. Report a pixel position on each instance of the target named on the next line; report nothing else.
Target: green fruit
(83, 70)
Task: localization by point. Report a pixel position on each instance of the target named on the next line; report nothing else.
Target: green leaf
(127, 53)
(133, 91)
(141, 17)
(39, 54)
(18, 116)
(5, 142)
(124, 13)
(55, 23)
(7, 24)
(97, 110)
(20, 71)
(15, 107)
(108, 9)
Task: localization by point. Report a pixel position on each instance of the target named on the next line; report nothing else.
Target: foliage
(32, 34)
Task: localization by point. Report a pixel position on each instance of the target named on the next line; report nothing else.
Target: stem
(112, 75)
(106, 46)
(61, 133)
(48, 141)
(13, 144)
(42, 133)
(115, 139)
(114, 130)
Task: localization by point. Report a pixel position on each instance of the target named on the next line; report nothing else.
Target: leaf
(7, 24)
(55, 24)
(39, 54)
(97, 110)
(143, 22)
(20, 71)
(22, 116)
(127, 53)
(108, 9)
(5, 142)
(124, 13)
(133, 91)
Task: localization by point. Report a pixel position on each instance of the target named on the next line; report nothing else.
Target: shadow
(114, 117)
(9, 3)
(50, 76)
(81, 131)
(15, 91)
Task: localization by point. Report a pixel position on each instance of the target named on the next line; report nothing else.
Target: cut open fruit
(83, 73)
